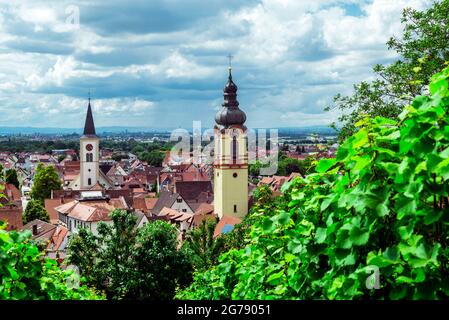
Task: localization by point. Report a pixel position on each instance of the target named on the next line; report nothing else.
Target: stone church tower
(89, 153)
(230, 156)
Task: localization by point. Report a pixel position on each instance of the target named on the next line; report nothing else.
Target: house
(54, 237)
(182, 220)
(142, 219)
(204, 212)
(171, 200)
(144, 203)
(51, 204)
(275, 183)
(11, 209)
(87, 211)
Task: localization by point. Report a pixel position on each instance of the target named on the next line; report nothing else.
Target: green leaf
(405, 206)
(273, 279)
(324, 165)
(283, 218)
(359, 237)
(320, 235)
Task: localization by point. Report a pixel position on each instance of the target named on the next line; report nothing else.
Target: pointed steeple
(89, 126)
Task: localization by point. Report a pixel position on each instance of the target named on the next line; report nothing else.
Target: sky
(163, 64)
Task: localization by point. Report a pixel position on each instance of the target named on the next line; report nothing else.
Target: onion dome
(230, 113)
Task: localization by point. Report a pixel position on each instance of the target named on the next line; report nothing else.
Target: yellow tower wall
(230, 191)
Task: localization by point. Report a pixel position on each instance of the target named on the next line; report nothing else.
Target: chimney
(34, 229)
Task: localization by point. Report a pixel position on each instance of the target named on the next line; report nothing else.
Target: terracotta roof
(168, 212)
(204, 208)
(45, 230)
(95, 210)
(57, 238)
(11, 192)
(51, 204)
(225, 225)
(70, 176)
(97, 187)
(150, 203)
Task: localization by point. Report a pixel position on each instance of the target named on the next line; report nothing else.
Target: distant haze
(34, 130)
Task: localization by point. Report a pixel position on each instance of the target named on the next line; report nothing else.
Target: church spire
(89, 126)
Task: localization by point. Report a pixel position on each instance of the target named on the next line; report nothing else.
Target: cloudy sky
(163, 63)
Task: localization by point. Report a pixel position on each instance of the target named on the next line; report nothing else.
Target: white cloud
(291, 57)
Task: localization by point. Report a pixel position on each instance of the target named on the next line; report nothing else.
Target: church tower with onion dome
(89, 153)
(230, 156)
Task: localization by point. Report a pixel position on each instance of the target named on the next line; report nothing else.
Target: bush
(26, 275)
(381, 204)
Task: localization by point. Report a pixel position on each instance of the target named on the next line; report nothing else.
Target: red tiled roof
(51, 204)
(225, 220)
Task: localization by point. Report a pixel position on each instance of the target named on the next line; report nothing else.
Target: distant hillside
(322, 130)
(36, 130)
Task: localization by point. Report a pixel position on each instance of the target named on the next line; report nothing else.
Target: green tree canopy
(130, 263)
(204, 248)
(153, 158)
(380, 205)
(11, 177)
(45, 180)
(26, 275)
(423, 49)
(35, 210)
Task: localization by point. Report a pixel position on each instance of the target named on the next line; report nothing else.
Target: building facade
(230, 156)
(90, 175)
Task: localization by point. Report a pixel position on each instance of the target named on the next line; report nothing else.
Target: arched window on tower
(89, 181)
(89, 157)
(234, 149)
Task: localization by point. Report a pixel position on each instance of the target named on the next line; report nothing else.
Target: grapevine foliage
(381, 203)
(26, 275)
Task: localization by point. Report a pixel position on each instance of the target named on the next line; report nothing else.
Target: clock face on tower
(89, 147)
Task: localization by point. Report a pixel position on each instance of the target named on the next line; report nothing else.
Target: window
(89, 157)
(234, 150)
(179, 200)
(89, 181)
(184, 210)
(235, 174)
(235, 208)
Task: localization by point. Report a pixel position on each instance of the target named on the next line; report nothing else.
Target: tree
(205, 249)
(153, 158)
(119, 156)
(35, 210)
(26, 275)
(130, 263)
(46, 179)
(379, 208)
(423, 49)
(11, 177)
(2, 175)
(160, 268)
